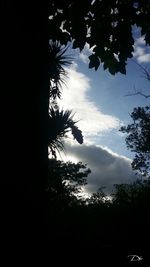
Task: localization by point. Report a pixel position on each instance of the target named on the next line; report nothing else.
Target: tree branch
(138, 93)
(145, 71)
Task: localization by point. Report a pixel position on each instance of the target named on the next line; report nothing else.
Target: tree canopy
(105, 25)
(138, 138)
(65, 182)
(134, 195)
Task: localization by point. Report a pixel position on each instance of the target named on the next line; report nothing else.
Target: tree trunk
(24, 113)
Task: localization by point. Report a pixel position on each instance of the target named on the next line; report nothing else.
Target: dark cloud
(107, 167)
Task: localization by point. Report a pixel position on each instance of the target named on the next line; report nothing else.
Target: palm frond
(58, 61)
(60, 123)
(56, 146)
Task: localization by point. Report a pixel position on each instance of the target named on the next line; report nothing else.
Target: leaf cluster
(105, 25)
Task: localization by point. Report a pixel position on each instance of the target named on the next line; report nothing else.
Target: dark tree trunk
(24, 112)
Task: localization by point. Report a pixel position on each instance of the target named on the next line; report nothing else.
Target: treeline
(96, 222)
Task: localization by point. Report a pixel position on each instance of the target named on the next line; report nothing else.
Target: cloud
(141, 51)
(84, 58)
(140, 41)
(144, 58)
(107, 168)
(91, 120)
(86, 52)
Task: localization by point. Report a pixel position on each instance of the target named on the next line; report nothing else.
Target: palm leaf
(77, 134)
(60, 123)
(58, 61)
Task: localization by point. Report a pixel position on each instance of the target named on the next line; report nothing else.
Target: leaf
(65, 38)
(77, 134)
(112, 69)
(94, 61)
(121, 67)
(79, 43)
(110, 63)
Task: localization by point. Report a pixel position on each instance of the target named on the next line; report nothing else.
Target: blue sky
(98, 100)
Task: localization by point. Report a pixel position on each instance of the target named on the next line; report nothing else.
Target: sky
(99, 103)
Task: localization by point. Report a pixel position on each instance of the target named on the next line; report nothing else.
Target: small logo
(135, 258)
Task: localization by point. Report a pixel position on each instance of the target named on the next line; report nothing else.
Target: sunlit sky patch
(92, 120)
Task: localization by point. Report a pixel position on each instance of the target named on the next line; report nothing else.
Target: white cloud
(140, 40)
(84, 55)
(107, 168)
(144, 58)
(84, 58)
(141, 51)
(74, 97)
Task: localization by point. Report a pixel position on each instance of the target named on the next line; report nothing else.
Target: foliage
(97, 198)
(60, 123)
(105, 25)
(138, 139)
(132, 195)
(66, 180)
(58, 60)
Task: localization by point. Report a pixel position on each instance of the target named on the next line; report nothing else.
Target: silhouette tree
(138, 139)
(138, 133)
(98, 198)
(59, 122)
(65, 182)
(134, 195)
(58, 60)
